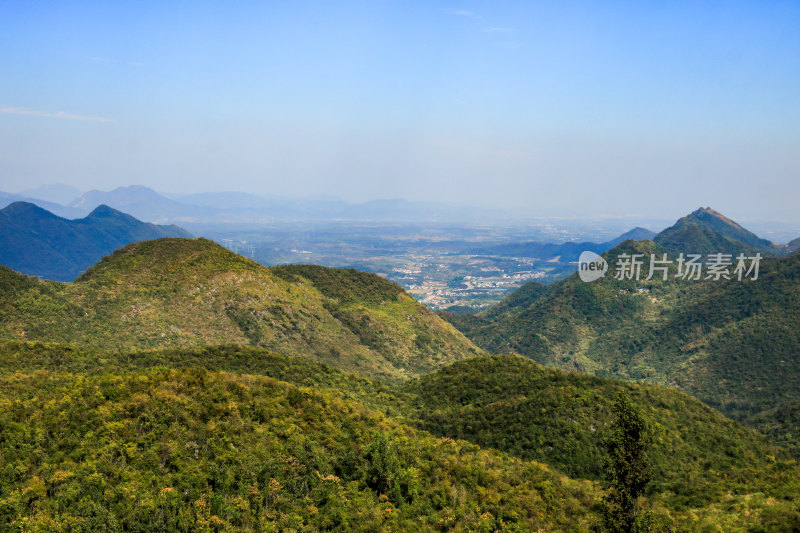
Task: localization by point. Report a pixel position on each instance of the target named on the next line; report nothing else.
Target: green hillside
(237, 438)
(706, 231)
(179, 292)
(178, 386)
(513, 404)
(195, 450)
(732, 344)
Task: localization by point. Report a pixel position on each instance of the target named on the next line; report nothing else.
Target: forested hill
(182, 292)
(238, 438)
(706, 231)
(37, 242)
(513, 404)
(733, 344)
(108, 442)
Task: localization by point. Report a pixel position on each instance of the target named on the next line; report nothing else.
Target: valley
(441, 266)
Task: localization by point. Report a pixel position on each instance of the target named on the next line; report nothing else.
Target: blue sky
(564, 108)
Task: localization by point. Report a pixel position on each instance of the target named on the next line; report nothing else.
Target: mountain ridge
(148, 204)
(7, 199)
(58, 193)
(723, 341)
(37, 242)
(182, 292)
(707, 231)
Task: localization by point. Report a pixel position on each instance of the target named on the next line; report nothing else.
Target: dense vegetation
(732, 344)
(179, 292)
(627, 467)
(224, 426)
(165, 411)
(191, 450)
(706, 231)
(96, 440)
(515, 405)
(346, 286)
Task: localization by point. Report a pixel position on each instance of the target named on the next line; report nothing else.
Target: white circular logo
(591, 266)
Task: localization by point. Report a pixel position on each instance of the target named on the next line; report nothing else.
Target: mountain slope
(515, 405)
(242, 407)
(179, 292)
(166, 449)
(706, 231)
(35, 241)
(732, 344)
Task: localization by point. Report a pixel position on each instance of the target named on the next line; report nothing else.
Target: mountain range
(57, 193)
(143, 203)
(731, 343)
(703, 231)
(7, 199)
(176, 385)
(37, 242)
(227, 207)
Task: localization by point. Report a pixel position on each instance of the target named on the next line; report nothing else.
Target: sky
(548, 108)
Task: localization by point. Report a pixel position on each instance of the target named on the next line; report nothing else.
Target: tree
(385, 474)
(627, 466)
(382, 464)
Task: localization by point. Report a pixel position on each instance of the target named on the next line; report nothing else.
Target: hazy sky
(559, 107)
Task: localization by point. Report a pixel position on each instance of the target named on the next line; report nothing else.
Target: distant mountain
(706, 231)
(636, 234)
(145, 204)
(37, 242)
(57, 209)
(53, 192)
(566, 252)
(250, 207)
(794, 246)
(181, 292)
